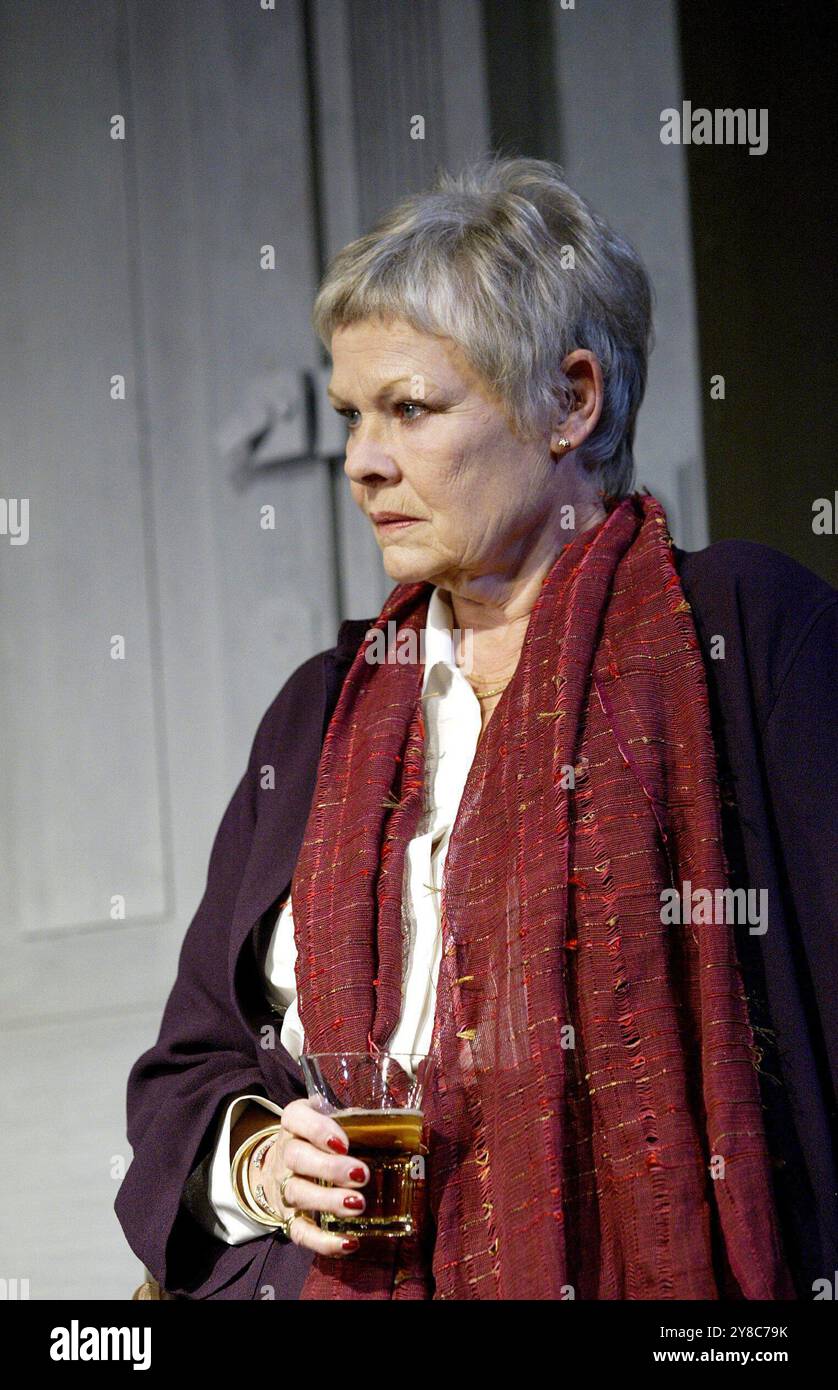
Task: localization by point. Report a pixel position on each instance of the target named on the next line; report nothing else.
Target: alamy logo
(721, 126)
(14, 519)
(77, 1343)
(406, 647)
(725, 905)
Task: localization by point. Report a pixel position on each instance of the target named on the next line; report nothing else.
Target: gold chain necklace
(487, 694)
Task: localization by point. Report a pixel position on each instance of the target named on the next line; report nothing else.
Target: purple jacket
(773, 702)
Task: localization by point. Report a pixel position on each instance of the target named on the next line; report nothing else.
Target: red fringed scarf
(593, 1067)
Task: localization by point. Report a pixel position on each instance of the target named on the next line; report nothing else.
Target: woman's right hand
(303, 1148)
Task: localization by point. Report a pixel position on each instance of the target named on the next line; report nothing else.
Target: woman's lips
(392, 521)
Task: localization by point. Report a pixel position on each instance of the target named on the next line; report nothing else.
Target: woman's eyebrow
(337, 399)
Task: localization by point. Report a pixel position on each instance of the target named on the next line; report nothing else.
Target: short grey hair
(512, 265)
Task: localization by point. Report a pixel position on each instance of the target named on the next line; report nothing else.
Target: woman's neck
(495, 609)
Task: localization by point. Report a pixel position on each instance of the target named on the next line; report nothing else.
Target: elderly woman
(521, 863)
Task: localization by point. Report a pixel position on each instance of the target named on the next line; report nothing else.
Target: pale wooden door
(140, 259)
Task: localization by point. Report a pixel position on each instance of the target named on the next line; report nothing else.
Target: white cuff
(211, 1198)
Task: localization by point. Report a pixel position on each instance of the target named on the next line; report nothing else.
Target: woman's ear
(586, 391)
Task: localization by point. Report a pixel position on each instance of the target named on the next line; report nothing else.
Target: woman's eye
(348, 411)
(410, 405)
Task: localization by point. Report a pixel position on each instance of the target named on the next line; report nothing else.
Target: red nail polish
(354, 1202)
(338, 1146)
(358, 1174)
(351, 1244)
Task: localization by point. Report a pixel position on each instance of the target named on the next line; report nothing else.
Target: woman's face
(428, 446)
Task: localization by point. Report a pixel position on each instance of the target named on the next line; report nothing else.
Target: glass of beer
(377, 1101)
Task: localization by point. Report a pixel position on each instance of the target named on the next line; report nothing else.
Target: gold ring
(285, 1225)
(282, 1196)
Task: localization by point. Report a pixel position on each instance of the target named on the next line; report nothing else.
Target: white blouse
(452, 724)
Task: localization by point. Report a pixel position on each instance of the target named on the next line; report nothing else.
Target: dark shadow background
(763, 232)
(764, 243)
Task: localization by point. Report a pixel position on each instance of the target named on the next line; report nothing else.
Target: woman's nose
(367, 462)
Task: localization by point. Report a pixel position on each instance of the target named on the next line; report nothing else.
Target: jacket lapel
(284, 812)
